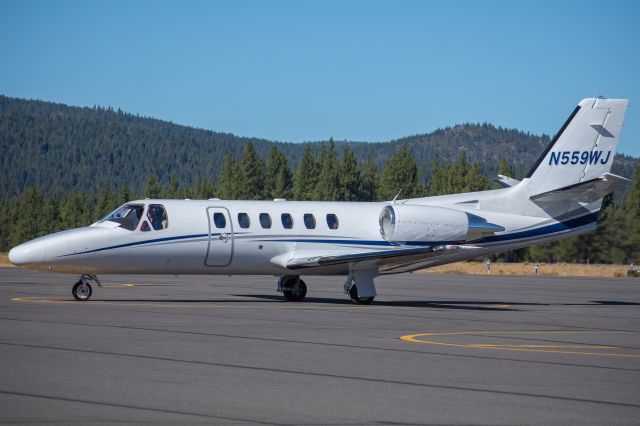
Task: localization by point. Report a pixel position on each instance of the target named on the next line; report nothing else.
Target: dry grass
(548, 269)
(4, 261)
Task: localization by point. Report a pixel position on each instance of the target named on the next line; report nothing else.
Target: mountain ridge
(58, 147)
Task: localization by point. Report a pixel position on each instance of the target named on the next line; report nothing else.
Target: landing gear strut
(82, 289)
(360, 288)
(293, 288)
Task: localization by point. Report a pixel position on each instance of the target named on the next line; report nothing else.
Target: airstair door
(220, 250)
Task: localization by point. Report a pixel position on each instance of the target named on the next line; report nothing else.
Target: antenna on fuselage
(396, 197)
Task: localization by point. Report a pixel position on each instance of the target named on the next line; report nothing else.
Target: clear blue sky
(301, 70)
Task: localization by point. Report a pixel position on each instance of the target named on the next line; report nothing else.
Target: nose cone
(30, 253)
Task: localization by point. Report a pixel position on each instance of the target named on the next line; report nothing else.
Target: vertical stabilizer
(583, 149)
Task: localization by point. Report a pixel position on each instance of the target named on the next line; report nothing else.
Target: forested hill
(57, 148)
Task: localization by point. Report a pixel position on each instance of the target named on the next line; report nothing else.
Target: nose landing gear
(82, 289)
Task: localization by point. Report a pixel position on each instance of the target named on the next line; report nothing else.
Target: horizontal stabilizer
(585, 192)
(506, 181)
(381, 257)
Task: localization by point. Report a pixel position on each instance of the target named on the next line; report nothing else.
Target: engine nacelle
(406, 222)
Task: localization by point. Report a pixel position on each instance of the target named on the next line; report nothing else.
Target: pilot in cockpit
(157, 217)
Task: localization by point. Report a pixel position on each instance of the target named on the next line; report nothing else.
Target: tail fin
(583, 149)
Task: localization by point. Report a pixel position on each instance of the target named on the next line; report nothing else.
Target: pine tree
(350, 179)
(29, 218)
(75, 210)
(370, 177)
(475, 180)
(187, 193)
(251, 177)
(401, 175)
(438, 181)
(204, 189)
(152, 188)
(51, 216)
(173, 189)
(6, 224)
(453, 178)
(505, 169)
(278, 175)
(106, 202)
(328, 187)
(125, 195)
(228, 187)
(632, 219)
(305, 179)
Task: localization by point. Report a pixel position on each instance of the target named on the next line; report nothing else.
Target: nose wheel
(82, 289)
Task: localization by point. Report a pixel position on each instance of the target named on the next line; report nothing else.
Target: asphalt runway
(433, 349)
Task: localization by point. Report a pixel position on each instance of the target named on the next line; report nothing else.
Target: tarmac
(432, 349)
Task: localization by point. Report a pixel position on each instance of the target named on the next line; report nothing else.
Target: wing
(585, 192)
(383, 260)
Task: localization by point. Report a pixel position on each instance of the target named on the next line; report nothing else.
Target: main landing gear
(293, 288)
(359, 286)
(355, 298)
(82, 289)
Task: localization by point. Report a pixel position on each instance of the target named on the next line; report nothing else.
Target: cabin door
(220, 250)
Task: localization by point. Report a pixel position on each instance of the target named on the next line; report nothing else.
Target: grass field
(4, 260)
(477, 268)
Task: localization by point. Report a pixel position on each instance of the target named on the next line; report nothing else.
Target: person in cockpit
(165, 219)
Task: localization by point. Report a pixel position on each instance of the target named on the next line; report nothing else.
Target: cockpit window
(127, 216)
(157, 216)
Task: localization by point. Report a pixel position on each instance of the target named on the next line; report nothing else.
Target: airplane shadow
(440, 304)
(615, 303)
(473, 305)
(265, 298)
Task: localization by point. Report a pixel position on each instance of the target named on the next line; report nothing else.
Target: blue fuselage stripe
(536, 232)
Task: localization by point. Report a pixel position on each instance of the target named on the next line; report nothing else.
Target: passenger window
(287, 220)
(128, 216)
(219, 220)
(265, 220)
(157, 216)
(243, 220)
(332, 221)
(309, 221)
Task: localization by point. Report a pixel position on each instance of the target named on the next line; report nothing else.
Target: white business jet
(561, 196)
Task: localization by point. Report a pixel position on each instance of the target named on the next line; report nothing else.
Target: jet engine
(416, 223)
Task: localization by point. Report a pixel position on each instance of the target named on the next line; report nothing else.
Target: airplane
(561, 196)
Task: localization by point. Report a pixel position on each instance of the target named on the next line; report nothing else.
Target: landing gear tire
(353, 294)
(80, 292)
(295, 291)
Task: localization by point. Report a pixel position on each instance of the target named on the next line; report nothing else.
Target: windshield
(127, 216)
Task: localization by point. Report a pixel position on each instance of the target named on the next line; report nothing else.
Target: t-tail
(575, 166)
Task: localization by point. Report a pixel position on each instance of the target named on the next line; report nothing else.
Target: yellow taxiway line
(435, 339)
